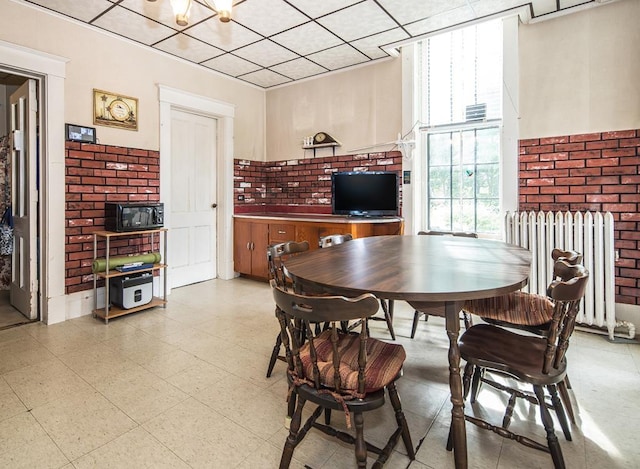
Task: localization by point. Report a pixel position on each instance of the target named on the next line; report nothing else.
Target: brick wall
(590, 172)
(302, 186)
(96, 174)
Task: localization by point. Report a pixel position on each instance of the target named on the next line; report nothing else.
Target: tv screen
(366, 194)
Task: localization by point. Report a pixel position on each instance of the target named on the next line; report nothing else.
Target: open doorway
(12, 144)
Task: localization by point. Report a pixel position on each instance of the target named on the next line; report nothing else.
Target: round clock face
(320, 137)
(119, 110)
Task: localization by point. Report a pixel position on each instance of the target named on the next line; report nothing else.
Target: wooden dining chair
(424, 308)
(524, 311)
(336, 370)
(386, 305)
(276, 254)
(333, 240)
(534, 360)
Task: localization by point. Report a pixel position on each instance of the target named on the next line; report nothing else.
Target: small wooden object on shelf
(112, 311)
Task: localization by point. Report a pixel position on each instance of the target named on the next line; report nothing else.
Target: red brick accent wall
(96, 174)
(302, 186)
(590, 172)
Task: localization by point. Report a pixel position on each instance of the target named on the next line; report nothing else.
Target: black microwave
(133, 216)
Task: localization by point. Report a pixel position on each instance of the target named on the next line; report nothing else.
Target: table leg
(458, 432)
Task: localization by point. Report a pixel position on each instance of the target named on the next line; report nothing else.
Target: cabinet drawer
(279, 233)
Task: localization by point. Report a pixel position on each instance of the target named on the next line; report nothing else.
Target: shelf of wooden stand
(115, 311)
(117, 273)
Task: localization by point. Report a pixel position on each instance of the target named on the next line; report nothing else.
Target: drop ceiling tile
(188, 48)
(132, 25)
(308, 38)
(570, 3)
(298, 69)
(315, 8)
(542, 7)
(483, 9)
(358, 21)
(409, 11)
(265, 53)
(90, 8)
(338, 57)
(265, 78)
(231, 65)
(267, 17)
(225, 36)
(441, 21)
(162, 12)
(370, 46)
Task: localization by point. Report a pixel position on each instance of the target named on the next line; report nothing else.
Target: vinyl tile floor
(185, 387)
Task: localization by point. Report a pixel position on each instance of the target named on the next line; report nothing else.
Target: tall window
(460, 84)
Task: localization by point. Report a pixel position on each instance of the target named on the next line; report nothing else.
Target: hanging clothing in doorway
(5, 201)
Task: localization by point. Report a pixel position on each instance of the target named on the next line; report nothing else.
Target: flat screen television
(364, 194)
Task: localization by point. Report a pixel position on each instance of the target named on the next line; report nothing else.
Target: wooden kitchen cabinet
(250, 247)
(253, 233)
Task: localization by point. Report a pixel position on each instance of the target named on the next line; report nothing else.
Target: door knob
(214, 205)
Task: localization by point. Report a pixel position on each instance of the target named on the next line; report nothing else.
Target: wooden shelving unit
(112, 311)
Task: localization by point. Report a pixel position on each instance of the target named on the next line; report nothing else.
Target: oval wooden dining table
(443, 269)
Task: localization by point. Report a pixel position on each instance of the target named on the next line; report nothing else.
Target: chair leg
(467, 320)
(361, 445)
(401, 420)
(327, 416)
(547, 421)
(292, 439)
(414, 326)
(274, 355)
(466, 379)
(563, 388)
(559, 408)
(387, 309)
(476, 382)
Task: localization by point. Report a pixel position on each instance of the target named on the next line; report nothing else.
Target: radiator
(588, 233)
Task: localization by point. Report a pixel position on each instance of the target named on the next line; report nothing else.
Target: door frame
(172, 98)
(49, 70)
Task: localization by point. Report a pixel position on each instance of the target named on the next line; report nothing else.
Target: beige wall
(580, 73)
(359, 107)
(108, 62)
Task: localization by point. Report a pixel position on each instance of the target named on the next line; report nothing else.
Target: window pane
(439, 148)
(488, 218)
(440, 182)
(487, 181)
(439, 214)
(488, 145)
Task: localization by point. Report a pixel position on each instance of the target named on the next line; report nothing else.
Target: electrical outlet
(240, 197)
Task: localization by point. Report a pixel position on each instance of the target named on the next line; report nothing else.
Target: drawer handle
(281, 232)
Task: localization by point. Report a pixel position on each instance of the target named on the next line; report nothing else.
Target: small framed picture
(115, 110)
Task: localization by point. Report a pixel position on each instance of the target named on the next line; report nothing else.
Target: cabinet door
(260, 240)
(308, 232)
(242, 246)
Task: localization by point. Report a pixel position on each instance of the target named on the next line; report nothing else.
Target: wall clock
(115, 110)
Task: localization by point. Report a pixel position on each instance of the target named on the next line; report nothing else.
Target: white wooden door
(24, 199)
(192, 236)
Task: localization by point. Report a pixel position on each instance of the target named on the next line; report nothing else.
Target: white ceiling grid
(272, 42)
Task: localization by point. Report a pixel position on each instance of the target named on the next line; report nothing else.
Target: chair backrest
(334, 239)
(465, 234)
(277, 253)
(572, 257)
(296, 310)
(566, 293)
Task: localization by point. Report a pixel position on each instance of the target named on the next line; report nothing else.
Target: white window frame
(414, 195)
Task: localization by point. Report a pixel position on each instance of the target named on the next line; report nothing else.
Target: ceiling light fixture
(182, 8)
